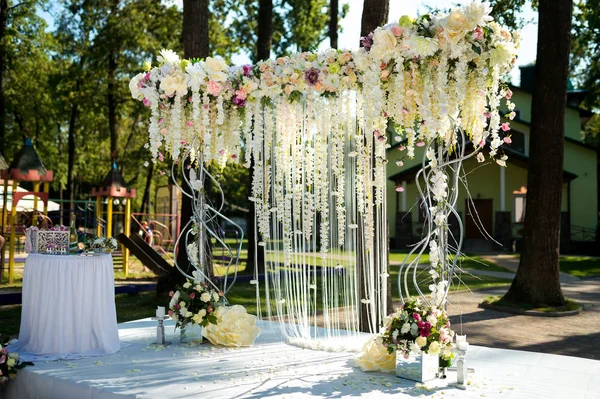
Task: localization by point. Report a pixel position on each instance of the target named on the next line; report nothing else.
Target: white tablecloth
(68, 307)
(273, 369)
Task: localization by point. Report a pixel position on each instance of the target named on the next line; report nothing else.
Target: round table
(69, 305)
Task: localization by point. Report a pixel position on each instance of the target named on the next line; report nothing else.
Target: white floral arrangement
(103, 244)
(9, 364)
(195, 303)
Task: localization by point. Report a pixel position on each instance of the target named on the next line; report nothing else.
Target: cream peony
(503, 54)
(375, 357)
(455, 27)
(216, 69)
(423, 46)
(235, 327)
(384, 43)
(421, 341)
(174, 84)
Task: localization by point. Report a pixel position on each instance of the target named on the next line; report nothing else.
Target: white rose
(421, 341)
(360, 60)
(235, 327)
(375, 357)
(215, 297)
(202, 312)
(216, 68)
(174, 84)
(205, 297)
(432, 319)
(405, 328)
(455, 27)
(10, 362)
(477, 13)
(168, 57)
(384, 42)
(434, 348)
(187, 285)
(133, 86)
(183, 311)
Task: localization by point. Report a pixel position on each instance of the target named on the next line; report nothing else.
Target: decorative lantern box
(42, 241)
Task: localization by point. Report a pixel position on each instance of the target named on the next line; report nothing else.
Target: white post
(502, 189)
(404, 196)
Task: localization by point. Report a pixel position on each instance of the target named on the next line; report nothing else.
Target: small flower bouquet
(9, 364)
(194, 303)
(102, 244)
(417, 329)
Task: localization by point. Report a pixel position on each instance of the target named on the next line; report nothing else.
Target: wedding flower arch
(316, 127)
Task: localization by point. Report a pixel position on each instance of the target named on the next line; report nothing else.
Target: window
(520, 202)
(518, 142)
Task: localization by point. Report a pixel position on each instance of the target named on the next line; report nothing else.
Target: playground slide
(144, 252)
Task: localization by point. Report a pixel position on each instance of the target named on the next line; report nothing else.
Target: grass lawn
(467, 262)
(580, 266)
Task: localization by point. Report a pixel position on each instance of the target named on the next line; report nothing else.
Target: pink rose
(508, 94)
(170, 313)
(2, 359)
(417, 317)
(507, 140)
(190, 124)
(397, 31)
(146, 102)
(213, 87)
(505, 126)
(420, 144)
(241, 94)
(478, 33)
(159, 122)
(171, 293)
(192, 295)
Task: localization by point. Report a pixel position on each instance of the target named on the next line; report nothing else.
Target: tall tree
(537, 281)
(375, 14)
(265, 29)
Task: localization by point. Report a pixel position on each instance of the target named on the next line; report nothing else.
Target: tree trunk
(195, 45)
(537, 281)
(112, 104)
(195, 29)
(3, 18)
(145, 208)
(375, 14)
(265, 30)
(333, 23)
(71, 153)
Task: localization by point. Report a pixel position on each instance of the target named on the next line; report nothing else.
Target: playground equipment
(114, 191)
(26, 166)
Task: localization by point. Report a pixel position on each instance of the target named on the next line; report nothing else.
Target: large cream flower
(216, 69)
(384, 42)
(423, 46)
(455, 27)
(375, 357)
(174, 84)
(168, 57)
(235, 327)
(434, 348)
(503, 54)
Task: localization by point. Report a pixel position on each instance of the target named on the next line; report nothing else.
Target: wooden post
(109, 216)
(98, 215)
(36, 189)
(4, 216)
(46, 190)
(13, 233)
(127, 228)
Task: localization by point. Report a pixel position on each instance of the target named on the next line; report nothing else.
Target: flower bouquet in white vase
(422, 339)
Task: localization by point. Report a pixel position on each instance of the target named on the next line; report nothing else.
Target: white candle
(461, 338)
(160, 311)
(462, 346)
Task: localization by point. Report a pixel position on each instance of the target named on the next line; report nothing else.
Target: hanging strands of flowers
(315, 126)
